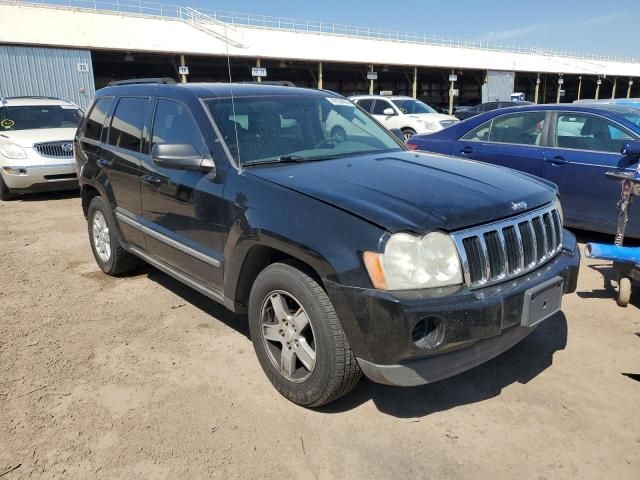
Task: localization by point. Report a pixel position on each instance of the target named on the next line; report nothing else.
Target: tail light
(412, 146)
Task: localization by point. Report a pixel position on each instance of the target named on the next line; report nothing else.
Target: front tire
(298, 339)
(5, 193)
(407, 133)
(624, 291)
(109, 254)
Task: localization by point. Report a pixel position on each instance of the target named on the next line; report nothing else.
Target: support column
(183, 63)
(452, 84)
(537, 89)
(258, 65)
(579, 86)
(320, 80)
(598, 83)
(415, 82)
(560, 84)
(615, 84)
(629, 88)
(371, 81)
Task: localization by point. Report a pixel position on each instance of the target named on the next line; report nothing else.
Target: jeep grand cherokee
(350, 254)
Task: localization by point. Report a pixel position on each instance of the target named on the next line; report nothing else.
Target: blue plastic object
(613, 253)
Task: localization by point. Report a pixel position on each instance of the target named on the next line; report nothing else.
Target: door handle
(104, 163)
(558, 160)
(150, 180)
(466, 150)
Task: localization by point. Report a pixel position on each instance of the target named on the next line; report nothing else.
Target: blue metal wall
(46, 71)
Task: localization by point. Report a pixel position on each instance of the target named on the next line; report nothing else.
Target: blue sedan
(572, 145)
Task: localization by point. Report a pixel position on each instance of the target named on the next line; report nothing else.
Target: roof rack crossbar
(134, 81)
(34, 96)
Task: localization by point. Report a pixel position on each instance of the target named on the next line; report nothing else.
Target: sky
(591, 26)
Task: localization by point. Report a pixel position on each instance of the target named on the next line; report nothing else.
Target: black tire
(339, 134)
(336, 370)
(407, 133)
(5, 193)
(120, 261)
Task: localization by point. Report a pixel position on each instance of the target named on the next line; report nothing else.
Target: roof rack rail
(281, 83)
(35, 96)
(134, 81)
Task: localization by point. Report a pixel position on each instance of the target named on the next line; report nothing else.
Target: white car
(405, 113)
(36, 145)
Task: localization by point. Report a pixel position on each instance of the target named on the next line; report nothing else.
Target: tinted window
(478, 134)
(516, 128)
(490, 106)
(33, 117)
(127, 123)
(365, 104)
(173, 123)
(96, 118)
(380, 106)
(588, 132)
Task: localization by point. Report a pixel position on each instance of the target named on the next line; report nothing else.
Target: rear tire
(407, 133)
(298, 338)
(109, 254)
(5, 193)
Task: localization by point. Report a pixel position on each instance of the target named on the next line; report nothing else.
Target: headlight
(429, 125)
(411, 262)
(11, 150)
(558, 207)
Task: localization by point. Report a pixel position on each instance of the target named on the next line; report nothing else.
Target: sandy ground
(140, 377)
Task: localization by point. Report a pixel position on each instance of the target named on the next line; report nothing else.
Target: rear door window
(518, 128)
(96, 118)
(128, 122)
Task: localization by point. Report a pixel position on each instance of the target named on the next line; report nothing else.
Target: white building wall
(63, 27)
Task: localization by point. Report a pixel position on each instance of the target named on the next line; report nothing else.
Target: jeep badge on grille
(515, 206)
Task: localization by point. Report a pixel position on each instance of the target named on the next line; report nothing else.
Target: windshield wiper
(281, 159)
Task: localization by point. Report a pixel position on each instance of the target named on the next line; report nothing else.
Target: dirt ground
(141, 377)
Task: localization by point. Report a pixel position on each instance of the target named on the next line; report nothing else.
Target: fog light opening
(428, 333)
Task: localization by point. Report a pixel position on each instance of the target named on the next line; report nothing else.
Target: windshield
(413, 106)
(32, 117)
(296, 128)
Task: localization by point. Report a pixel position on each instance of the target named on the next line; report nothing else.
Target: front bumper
(38, 178)
(473, 326)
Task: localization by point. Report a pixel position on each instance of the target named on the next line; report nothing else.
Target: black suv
(349, 254)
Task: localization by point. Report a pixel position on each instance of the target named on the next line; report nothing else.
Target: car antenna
(233, 101)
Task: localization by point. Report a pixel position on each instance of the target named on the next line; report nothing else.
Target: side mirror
(398, 133)
(181, 157)
(631, 149)
(389, 112)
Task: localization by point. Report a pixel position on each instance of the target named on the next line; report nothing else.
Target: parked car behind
(349, 255)
(487, 107)
(409, 115)
(36, 145)
(572, 145)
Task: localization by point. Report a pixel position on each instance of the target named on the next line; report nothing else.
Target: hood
(409, 191)
(433, 116)
(26, 138)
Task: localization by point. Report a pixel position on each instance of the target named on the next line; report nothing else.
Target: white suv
(405, 113)
(36, 145)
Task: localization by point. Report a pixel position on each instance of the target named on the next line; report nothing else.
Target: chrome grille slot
(515, 246)
(63, 149)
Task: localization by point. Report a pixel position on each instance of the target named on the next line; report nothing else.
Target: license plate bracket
(542, 301)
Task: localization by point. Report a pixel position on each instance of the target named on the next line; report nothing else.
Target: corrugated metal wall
(499, 86)
(46, 71)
